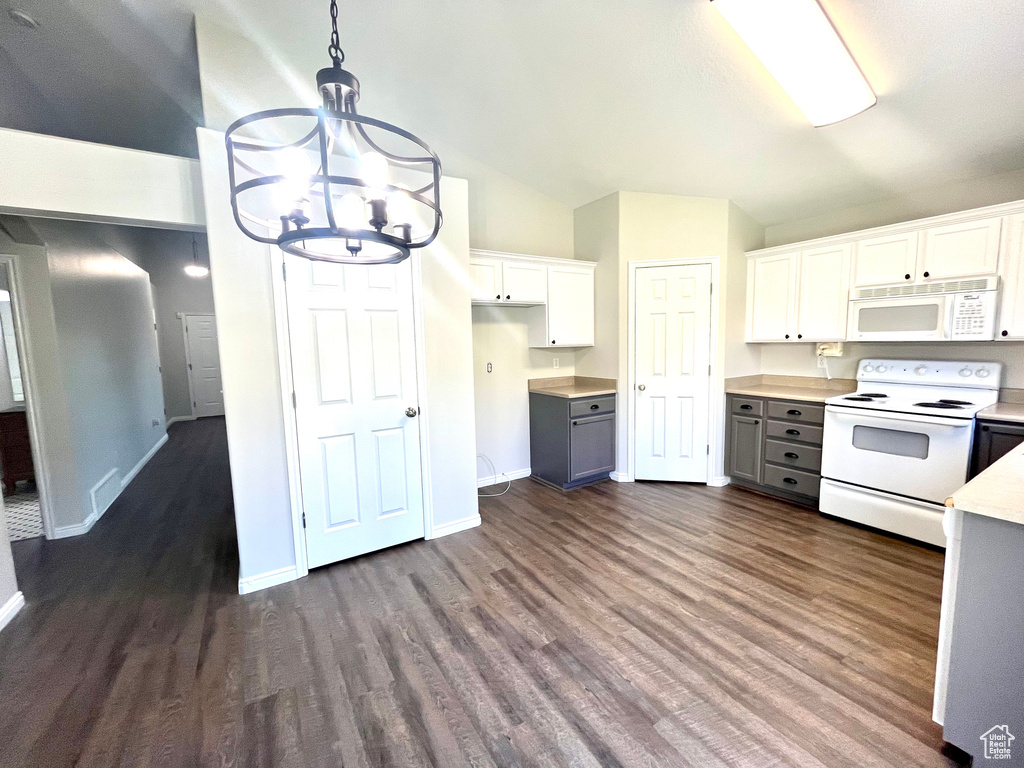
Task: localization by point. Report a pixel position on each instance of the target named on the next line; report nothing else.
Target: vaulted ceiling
(582, 99)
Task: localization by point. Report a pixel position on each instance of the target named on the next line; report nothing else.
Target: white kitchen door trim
(716, 405)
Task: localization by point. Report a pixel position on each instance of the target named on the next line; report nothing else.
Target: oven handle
(862, 414)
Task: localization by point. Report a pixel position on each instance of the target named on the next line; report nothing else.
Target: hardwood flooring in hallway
(617, 625)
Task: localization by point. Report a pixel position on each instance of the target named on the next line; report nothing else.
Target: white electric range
(897, 448)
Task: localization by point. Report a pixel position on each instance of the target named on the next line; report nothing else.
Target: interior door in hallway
(673, 356)
(354, 372)
(204, 365)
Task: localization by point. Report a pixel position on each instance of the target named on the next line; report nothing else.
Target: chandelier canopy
(330, 184)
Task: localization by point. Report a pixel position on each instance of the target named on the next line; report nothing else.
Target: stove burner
(956, 402)
(940, 404)
(860, 398)
(870, 394)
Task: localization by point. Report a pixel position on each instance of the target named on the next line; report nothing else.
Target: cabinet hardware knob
(794, 412)
(509, 296)
(746, 407)
(793, 432)
(926, 274)
(791, 455)
(787, 335)
(799, 335)
(498, 296)
(411, 412)
(789, 480)
(985, 429)
(906, 277)
(595, 406)
(552, 341)
(1005, 333)
(574, 423)
(641, 387)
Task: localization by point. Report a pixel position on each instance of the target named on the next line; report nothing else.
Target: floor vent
(105, 491)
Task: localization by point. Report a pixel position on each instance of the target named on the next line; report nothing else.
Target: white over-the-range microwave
(957, 310)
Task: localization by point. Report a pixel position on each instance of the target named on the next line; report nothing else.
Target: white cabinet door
(354, 370)
(485, 280)
(824, 293)
(673, 353)
(523, 282)
(570, 308)
(956, 251)
(771, 297)
(885, 260)
(1011, 269)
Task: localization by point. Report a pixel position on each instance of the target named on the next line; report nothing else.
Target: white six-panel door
(354, 372)
(204, 365)
(673, 354)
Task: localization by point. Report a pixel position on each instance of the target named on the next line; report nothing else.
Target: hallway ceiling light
(798, 45)
(331, 184)
(195, 269)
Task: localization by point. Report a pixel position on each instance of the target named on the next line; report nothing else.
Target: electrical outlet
(156, 423)
(821, 361)
(554, 362)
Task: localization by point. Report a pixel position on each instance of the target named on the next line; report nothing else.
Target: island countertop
(997, 492)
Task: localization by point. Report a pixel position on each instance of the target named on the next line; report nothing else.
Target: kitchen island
(979, 680)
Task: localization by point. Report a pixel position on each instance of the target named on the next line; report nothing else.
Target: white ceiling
(581, 99)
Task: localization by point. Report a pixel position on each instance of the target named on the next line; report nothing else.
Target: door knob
(641, 387)
(411, 412)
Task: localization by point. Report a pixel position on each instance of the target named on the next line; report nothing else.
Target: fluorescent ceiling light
(802, 50)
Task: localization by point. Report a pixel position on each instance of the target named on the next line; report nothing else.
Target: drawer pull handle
(791, 455)
(794, 412)
(746, 407)
(595, 406)
(789, 480)
(985, 429)
(793, 432)
(574, 423)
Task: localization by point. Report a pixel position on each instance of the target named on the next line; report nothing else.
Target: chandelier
(330, 184)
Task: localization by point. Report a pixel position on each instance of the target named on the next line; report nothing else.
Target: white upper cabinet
(823, 293)
(570, 308)
(1011, 268)
(485, 280)
(771, 294)
(885, 260)
(962, 250)
(524, 282)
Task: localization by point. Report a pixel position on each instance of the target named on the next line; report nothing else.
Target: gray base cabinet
(572, 440)
(993, 440)
(774, 446)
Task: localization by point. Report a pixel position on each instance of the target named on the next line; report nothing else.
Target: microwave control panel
(974, 316)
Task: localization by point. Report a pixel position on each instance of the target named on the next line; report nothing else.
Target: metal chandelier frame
(311, 224)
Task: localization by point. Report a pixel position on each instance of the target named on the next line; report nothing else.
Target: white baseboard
(11, 608)
(483, 482)
(620, 477)
(67, 531)
(143, 461)
(176, 419)
(719, 481)
(459, 525)
(267, 580)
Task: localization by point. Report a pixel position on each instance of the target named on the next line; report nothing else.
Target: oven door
(925, 318)
(921, 457)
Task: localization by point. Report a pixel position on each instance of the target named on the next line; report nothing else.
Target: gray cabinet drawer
(748, 406)
(592, 406)
(786, 430)
(788, 411)
(792, 480)
(793, 455)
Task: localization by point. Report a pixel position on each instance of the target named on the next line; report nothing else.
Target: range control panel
(950, 373)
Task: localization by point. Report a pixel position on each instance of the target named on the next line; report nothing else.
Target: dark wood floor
(646, 624)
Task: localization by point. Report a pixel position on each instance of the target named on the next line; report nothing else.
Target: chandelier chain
(334, 49)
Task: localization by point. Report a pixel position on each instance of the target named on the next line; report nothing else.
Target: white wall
(501, 396)
(164, 255)
(596, 236)
(103, 311)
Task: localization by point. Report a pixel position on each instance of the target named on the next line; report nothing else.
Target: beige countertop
(786, 392)
(997, 492)
(573, 386)
(1004, 412)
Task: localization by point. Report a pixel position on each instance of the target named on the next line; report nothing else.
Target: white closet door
(204, 365)
(354, 370)
(673, 354)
